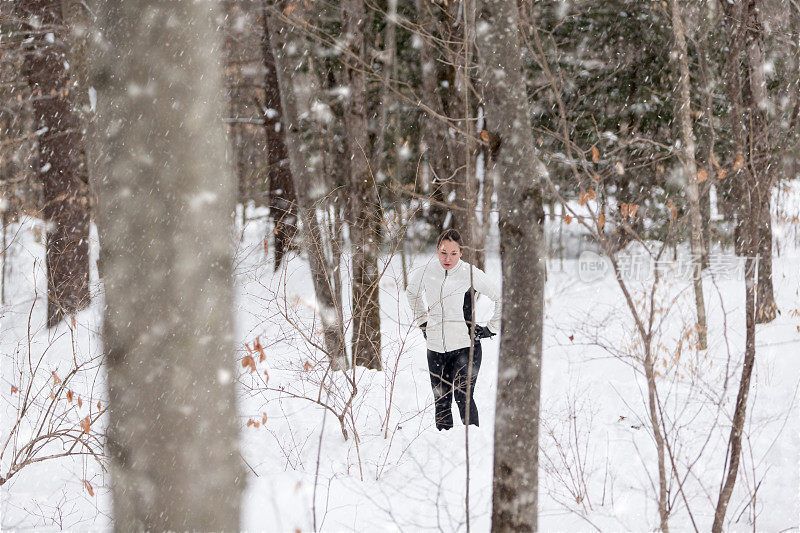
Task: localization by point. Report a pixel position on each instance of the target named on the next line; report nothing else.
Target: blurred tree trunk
(517, 173)
(333, 333)
(684, 105)
(167, 195)
(64, 189)
(282, 198)
(365, 221)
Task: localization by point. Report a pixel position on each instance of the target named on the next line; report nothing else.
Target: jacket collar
(442, 270)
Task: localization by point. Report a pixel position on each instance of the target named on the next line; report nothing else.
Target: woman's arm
(484, 285)
(414, 294)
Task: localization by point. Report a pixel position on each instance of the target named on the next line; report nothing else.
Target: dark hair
(451, 234)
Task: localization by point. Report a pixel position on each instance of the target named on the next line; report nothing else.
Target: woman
(449, 290)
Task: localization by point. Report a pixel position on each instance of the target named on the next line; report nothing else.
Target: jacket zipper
(441, 302)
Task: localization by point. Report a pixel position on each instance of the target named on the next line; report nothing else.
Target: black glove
(422, 327)
(482, 332)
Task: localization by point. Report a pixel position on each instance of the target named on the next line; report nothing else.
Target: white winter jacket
(449, 308)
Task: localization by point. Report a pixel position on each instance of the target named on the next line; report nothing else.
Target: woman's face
(449, 254)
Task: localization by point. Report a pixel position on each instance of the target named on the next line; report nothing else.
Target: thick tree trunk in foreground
(690, 171)
(167, 195)
(517, 173)
(365, 221)
(282, 198)
(65, 193)
(304, 187)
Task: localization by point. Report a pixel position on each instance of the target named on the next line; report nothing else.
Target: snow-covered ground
(395, 471)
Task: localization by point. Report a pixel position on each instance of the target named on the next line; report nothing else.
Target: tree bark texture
(167, 197)
(64, 189)
(365, 221)
(752, 185)
(690, 171)
(747, 93)
(517, 173)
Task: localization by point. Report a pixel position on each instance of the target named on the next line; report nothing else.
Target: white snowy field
(395, 471)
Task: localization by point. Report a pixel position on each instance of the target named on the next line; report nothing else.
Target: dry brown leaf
(264, 418)
(601, 221)
(739, 162)
(632, 208)
(485, 135)
(14, 389)
(70, 395)
(567, 219)
(89, 488)
(258, 348)
(619, 167)
(80, 402)
(702, 175)
(289, 8)
(714, 162)
(56, 380)
(673, 211)
(721, 173)
(307, 366)
(86, 424)
(248, 361)
(595, 154)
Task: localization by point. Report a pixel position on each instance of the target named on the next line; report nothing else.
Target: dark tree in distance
(365, 212)
(64, 186)
(282, 198)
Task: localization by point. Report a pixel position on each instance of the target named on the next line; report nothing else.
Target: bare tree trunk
(304, 186)
(483, 225)
(752, 187)
(167, 196)
(434, 132)
(740, 410)
(5, 250)
(766, 307)
(517, 173)
(365, 222)
(690, 171)
(282, 197)
(65, 190)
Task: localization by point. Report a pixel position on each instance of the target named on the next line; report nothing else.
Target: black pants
(448, 373)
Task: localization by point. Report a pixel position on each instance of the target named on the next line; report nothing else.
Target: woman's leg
(461, 380)
(442, 385)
